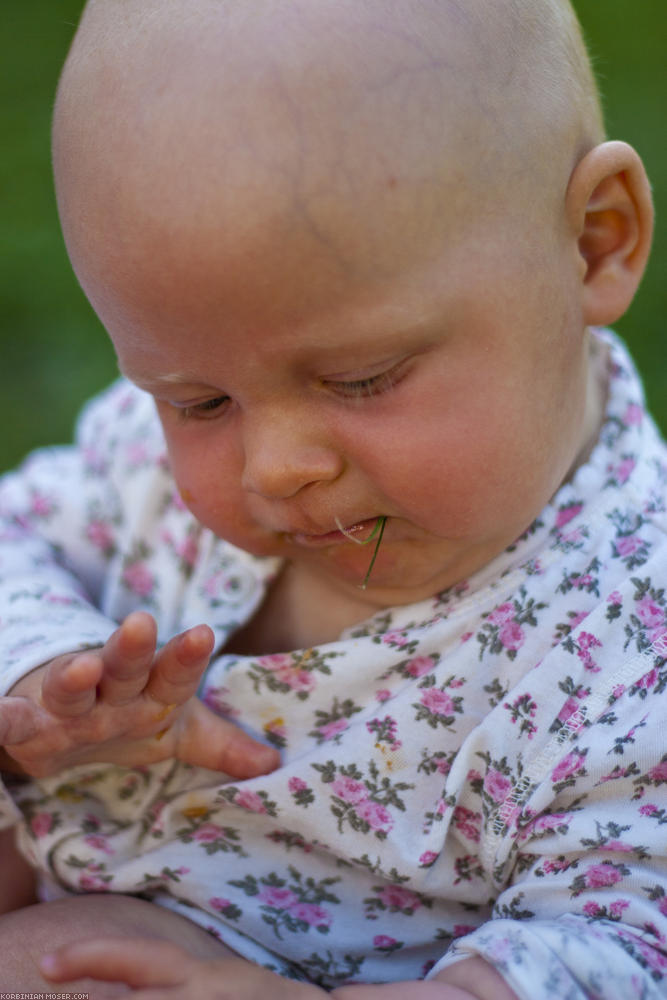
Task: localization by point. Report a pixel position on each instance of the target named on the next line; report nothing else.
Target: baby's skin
(327, 270)
(127, 703)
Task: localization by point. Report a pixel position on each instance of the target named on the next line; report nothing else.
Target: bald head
(314, 113)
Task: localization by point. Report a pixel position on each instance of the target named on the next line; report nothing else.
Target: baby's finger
(70, 683)
(179, 666)
(206, 740)
(128, 657)
(138, 962)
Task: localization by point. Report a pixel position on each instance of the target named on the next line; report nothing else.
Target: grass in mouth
(377, 533)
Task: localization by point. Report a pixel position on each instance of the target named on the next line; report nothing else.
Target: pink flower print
(662, 906)
(619, 845)
(395, 638)
(99, 534)
(214, 698)
(333, 728)
(551, 821)
(585, 643)
(615, 598)
(188, 550)
(249, 800)
(601, 876)
(311, 914)
(276, 661)
(592, 909)
(138, 579)
(555, 865)
(568, 709)
(207, 833)
(466, 636)
(375, 814)
(382, 695)
(92, 883)
(659, 641)
(617, 907)
(383, 942)
(468, 823)
(566, 514)
(623, 470)
(511, 635)
(461, 930)
(397, 897)
(627, 545)
(297, 785)
(41, 824)
(280, 899)
(419, 666)
(41, 505)
(649, 612)
(99, 842)
(437, 702)
(349, 790)
(219, 904)
(502, 614)
(649, 680)
(648, 810)
(496, 785)
(568, 767)
(633, 415)
(427, 859)
(658, 774)
(213, 585)
(297, 680)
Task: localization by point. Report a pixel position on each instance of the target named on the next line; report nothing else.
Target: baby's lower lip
(359, 530)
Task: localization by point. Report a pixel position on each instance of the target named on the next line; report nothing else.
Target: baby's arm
(127, 703)
(149, 964)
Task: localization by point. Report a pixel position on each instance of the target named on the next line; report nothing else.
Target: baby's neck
(597, 390)
(300, 610)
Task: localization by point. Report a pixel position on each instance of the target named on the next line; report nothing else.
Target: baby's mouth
(358, 532)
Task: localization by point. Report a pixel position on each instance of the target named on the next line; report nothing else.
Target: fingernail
(48, 963)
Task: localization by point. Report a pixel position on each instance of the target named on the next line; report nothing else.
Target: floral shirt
(484, 772)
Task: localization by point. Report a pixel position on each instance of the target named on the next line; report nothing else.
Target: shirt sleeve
(59, 521)
(583, 911)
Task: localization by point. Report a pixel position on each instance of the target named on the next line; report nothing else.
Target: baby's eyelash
(202, 411)
(364, 388)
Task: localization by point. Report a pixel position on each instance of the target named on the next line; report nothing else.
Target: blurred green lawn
(53, 353)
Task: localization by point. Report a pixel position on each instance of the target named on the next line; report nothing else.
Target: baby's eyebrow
(145, 379)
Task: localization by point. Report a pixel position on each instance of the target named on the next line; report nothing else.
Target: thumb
(206, 740)
(19, 720)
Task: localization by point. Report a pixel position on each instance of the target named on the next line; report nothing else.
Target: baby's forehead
(316, 112)
(472, 58)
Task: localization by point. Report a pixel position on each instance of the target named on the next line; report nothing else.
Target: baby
(345, 670)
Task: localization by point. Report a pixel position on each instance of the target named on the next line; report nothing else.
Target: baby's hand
(170, 973)
(128, 704)
(160, 969)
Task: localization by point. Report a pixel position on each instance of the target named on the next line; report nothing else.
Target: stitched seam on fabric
(538, 768)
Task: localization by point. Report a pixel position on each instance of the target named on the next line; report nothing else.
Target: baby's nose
(282, 456)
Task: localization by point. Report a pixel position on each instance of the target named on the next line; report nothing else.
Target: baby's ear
(610, 209)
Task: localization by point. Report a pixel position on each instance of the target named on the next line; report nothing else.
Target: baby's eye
(204, 411)
(372, 385)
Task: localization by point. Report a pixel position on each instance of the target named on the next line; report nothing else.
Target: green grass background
(53, 352)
